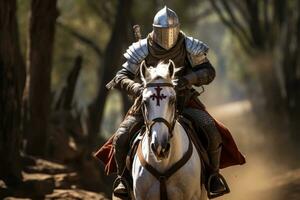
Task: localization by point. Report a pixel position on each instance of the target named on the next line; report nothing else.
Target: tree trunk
(111, 63)
(66, 96)
(12, 78)
(41, 38)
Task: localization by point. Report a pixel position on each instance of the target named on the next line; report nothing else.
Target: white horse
(167, 165)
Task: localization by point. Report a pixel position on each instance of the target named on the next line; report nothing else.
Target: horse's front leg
(141, 180)
(139, 191)
(145, 187)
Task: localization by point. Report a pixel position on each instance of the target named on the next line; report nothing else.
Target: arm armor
(124, 78)
(124, 81)
(202, 71)
(202, 74)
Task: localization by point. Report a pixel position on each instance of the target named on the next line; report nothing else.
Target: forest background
(56, 57)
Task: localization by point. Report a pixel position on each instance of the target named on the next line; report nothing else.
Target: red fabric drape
(230, 154)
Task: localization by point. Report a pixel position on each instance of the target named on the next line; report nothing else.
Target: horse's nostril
(153, 147)
(167, 147)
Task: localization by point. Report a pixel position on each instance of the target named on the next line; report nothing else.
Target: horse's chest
(181, 185)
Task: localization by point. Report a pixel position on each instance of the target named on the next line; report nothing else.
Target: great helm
(165, 28)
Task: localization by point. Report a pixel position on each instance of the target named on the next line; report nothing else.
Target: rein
(163, 177)
(149, 124)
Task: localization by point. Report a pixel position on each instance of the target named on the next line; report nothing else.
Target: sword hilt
(137, 32)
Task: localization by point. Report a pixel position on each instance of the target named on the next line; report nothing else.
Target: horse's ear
(171, 69)
(144, 71)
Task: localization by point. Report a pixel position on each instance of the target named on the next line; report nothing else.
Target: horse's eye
(172, 100)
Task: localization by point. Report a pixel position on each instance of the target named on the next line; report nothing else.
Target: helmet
(165, 28)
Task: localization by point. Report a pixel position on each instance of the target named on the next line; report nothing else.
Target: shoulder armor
(137, 52)
(194, 46)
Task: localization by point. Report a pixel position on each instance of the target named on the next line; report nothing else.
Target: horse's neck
(179, 145)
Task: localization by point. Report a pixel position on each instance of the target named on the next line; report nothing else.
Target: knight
(167, 41)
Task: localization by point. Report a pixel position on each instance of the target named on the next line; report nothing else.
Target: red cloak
(230, 154)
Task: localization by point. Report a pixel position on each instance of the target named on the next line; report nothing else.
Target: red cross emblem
(158, 96)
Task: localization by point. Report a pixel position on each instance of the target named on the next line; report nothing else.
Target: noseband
(149, 123)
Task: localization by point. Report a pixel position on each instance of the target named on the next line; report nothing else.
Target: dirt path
(265, 176)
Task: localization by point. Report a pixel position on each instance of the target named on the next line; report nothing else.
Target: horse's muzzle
(161, 152)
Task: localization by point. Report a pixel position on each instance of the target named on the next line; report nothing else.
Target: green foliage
(23, 22)
(90, 20)
(79, 17)
(112, 114)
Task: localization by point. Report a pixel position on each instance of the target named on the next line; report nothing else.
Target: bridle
(162, 177)
(149, 123)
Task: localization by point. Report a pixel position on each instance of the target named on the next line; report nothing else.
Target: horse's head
(159, 106)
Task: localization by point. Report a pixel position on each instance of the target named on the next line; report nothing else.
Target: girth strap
(163, 177)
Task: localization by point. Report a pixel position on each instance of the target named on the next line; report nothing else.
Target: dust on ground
(268, 174)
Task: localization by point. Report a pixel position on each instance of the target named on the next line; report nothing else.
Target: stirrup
(122, 180)
(215, 195)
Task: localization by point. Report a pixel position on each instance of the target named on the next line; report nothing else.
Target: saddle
(198, 139)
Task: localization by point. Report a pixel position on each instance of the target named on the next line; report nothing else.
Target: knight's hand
(137, 89)
(181, 84)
